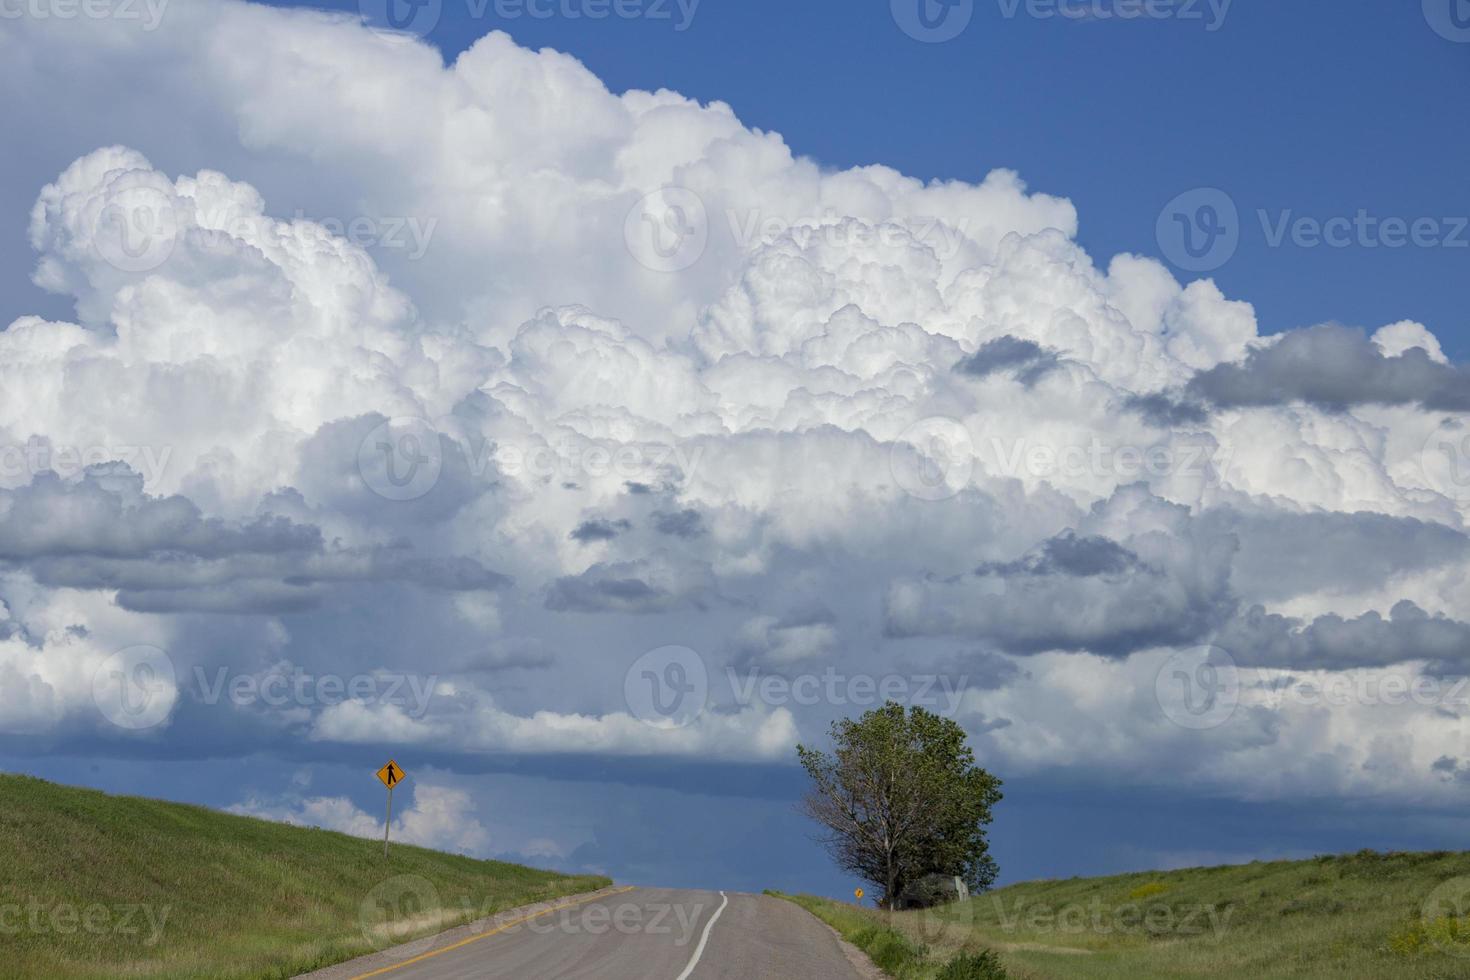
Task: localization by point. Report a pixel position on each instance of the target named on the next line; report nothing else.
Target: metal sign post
(390, 776)
(387, 822)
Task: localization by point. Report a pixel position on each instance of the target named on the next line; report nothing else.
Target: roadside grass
(898, 952)
(94, 885)
(1369, 915)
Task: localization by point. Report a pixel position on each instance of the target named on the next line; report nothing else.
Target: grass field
(1367, 915)
(95, 885)
(899, 951)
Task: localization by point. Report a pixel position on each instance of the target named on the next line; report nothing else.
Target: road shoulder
(395, 956)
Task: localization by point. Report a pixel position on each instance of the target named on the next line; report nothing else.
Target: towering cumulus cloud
(483, 374)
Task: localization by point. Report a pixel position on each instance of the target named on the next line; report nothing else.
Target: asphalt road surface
(637, 934)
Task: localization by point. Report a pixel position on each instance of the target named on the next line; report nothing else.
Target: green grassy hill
(96, 885)
(1366, 915)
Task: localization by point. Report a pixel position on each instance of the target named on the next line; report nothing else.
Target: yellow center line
(486, 935)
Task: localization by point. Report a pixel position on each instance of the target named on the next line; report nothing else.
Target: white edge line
(704, 938)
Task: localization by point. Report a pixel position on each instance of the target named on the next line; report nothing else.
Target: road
(637, 934)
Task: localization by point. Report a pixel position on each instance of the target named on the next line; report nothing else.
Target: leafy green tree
(901, 797)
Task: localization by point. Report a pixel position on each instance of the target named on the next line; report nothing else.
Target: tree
(900, 797)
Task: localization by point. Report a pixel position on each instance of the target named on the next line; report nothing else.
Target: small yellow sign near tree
(390, 776)
(858, 894)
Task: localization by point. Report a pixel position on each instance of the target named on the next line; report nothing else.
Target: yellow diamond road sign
(858, 894)
(391, 775)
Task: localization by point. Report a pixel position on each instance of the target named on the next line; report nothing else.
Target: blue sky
(356, 249)
(1287, 107)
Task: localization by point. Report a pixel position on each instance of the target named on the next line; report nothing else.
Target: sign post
(858, 894)
(390, 775)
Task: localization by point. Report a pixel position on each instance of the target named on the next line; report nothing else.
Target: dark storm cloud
(1189, 582)
(1284, 554)
(680, 524)
(594, 591)
(802, 635)
(1069, 554)
(977, 670)
(1261, 639)
(1078, 592)
(1164, 412)
(1026, 359)
(341, 464)
(1334, 368)
(599, 530)
(646, 585)
(1449, 768)
(250, 598)
(162, 555)
(52, 518)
